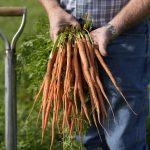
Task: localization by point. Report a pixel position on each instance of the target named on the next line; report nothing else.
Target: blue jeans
(128, 60)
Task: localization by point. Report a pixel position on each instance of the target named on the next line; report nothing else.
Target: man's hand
(58, 20)
(101, 38)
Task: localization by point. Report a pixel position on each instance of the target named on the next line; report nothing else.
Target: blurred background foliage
(32, 53)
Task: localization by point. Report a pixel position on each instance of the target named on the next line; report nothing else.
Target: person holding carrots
(121, 31)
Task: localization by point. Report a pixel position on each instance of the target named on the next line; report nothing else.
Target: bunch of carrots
(72, 74)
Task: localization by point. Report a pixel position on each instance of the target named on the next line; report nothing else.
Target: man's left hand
(101, 38)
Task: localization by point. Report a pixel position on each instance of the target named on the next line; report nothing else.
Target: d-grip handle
(12, 11)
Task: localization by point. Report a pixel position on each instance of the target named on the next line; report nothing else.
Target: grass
(35, 11)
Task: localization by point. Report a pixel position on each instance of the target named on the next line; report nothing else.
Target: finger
(92, 34)
(94, 38)
(76, 24)
(102, 49)
(55, 32)
(95, 42)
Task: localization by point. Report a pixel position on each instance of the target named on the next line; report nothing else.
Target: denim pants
(128, 60)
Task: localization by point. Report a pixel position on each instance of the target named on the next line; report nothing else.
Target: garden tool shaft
(10, 77)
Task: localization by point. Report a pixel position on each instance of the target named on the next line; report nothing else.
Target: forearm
(132, 13)
(50, 5)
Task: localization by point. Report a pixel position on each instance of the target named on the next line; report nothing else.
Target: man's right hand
(58, 19)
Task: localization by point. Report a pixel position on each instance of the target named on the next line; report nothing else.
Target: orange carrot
(94, 117)
(111, 77)
(67, 112)
(62, 60)
(53, 130)
(86, 73)
(68, 68)
(105, 96)
(91, 50)
(82, 114)
(89, 58)
(75, 94)
(80, 88)
(51, 96)
(50, 64)
(36, 97)
(74, 119)
(75, 84)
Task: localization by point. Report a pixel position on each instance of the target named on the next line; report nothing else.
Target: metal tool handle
(12, 11)
(10, 77)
